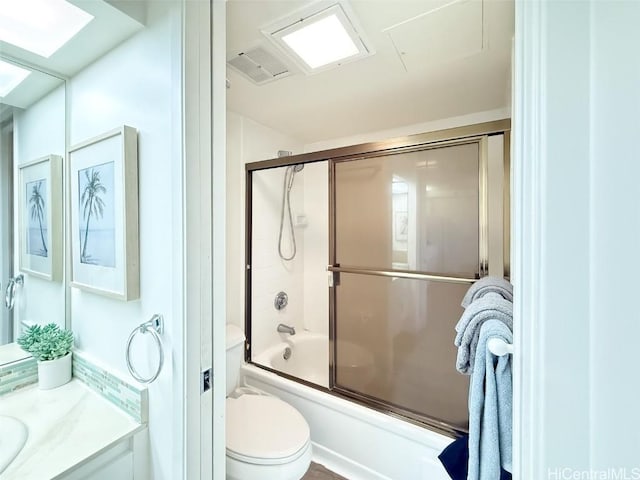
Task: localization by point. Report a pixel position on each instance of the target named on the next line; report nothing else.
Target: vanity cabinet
(126, 460)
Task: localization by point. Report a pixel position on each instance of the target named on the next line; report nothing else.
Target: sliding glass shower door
(408, 239)
(357, 260)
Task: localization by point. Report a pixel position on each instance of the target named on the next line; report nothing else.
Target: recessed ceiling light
(10, 77)
(41, 26)
(319, 40)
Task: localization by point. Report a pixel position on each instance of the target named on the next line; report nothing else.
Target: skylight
(317, 40)
(10, 77)
(41, 26)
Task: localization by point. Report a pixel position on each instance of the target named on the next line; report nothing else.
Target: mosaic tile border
(17, 375)
(133, 400)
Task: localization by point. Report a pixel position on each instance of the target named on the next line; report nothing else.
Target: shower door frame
(477, 133)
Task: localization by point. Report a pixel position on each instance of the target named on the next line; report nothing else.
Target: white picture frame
(40, 210)
(103, 212)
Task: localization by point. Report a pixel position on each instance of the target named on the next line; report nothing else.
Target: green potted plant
(51, 347)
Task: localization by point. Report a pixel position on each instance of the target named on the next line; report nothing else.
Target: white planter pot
(54, 373)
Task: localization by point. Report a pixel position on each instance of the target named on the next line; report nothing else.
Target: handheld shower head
(290, 173)
(289, 176)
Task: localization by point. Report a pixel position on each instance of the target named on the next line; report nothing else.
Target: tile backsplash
(19, 374)
(126, 396)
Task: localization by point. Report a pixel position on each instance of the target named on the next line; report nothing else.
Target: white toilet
(267, 439)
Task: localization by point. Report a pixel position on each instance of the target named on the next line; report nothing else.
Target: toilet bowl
(267, 439)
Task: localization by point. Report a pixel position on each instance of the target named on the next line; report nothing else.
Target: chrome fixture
(282, 328)
(10, 293)
(287, 353)
(155, 327)
(281, 300)
(289, 176)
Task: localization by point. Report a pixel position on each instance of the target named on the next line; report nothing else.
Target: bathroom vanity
(74, 433)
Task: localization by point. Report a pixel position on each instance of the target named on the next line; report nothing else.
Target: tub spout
(282, 328)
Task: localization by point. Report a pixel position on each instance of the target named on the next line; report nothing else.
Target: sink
(13, 435)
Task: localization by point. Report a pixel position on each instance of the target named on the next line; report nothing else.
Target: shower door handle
(333, 276)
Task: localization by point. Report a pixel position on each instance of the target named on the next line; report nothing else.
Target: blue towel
(455, 460)
(489, 307)
(488, 285)
(490, 408)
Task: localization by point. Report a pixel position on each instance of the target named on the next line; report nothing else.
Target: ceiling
(434, 59)
(114, 21)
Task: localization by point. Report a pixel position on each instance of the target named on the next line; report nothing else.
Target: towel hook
(155, 326)
(499, 347)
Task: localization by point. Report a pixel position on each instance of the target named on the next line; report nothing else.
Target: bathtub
(309, 358)
(354, 441)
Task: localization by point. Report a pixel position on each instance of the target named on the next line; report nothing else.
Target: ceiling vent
(259, 65)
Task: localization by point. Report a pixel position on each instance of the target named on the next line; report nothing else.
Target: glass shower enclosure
(373, 247)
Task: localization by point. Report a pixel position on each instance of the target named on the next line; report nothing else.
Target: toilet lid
(262, 427)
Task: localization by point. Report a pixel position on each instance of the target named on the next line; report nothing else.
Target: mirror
(32, 149)
(34, 135)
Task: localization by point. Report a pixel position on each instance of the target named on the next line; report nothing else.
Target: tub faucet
(282, 328)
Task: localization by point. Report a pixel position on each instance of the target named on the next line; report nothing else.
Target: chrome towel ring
(155, 327)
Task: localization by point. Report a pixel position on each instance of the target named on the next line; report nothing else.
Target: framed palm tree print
(39, 200)
(103, 206)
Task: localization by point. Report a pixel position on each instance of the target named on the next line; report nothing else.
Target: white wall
(247, 141)
(380, 135)
(614, 233)
(270, 273)
(38, 132)
(304, 278)
(138, 84)
(577, 232)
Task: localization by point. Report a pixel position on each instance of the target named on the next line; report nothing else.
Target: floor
(318, 472)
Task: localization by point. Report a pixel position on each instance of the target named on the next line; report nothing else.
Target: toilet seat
(265, 430)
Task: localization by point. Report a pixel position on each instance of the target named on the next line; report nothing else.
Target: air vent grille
(259, 65)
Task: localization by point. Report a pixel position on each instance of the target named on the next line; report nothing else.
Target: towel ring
(155, 327)
(10, 293)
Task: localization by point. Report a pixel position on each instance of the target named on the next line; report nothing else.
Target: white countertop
(67, 426)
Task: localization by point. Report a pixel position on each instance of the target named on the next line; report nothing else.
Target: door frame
(7, 225)
(526, 195)
(200, 417)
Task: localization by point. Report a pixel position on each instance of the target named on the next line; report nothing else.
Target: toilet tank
(235, 355)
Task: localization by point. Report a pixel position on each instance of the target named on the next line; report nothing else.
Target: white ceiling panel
(439, 36)
(448, 74)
